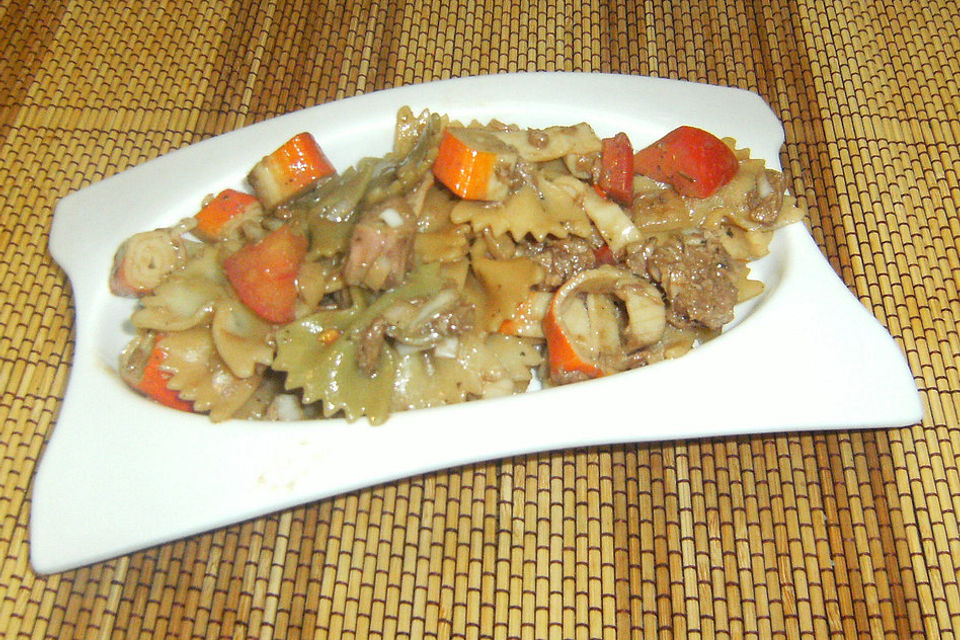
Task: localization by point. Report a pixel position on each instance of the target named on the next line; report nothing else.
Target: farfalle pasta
(469, 262)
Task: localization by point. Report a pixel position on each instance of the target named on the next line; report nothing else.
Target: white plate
(121, 473)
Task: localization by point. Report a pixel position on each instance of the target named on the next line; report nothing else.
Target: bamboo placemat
(835, 534)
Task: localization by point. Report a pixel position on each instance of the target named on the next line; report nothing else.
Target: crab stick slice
(224, 213)
(474, 164)
(289, 171)
(144, 260)
(567, 355)
(141, 367)
(581, 344)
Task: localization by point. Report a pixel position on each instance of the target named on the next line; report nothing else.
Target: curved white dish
(121, 473)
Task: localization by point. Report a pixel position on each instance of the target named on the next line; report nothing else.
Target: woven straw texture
(834, 534)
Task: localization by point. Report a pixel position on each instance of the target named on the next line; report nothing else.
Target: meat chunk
(381, 246)
(638, 253)
(423, 322)
(370, 345)
(765, 200)
(561, 259)
(696, 275)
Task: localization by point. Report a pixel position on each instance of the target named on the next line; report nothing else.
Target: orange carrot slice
(290, 170)
(694, 162)
(474, 164)
(616, 168)
(329, 336)
(264, 274)
(604, 255)
(220, 216)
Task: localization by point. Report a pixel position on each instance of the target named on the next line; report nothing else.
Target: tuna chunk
(381, 246)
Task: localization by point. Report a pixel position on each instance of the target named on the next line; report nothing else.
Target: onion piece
(610, 219)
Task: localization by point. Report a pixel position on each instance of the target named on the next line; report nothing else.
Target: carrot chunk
(616, 168)
(290, 170)
(221, 215)
(264, 274)
(605, 255)
(474, 164)
(694, 162)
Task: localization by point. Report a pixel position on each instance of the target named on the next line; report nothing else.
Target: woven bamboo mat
(835, 534)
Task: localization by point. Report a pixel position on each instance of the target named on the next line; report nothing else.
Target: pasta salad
(471, 261)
